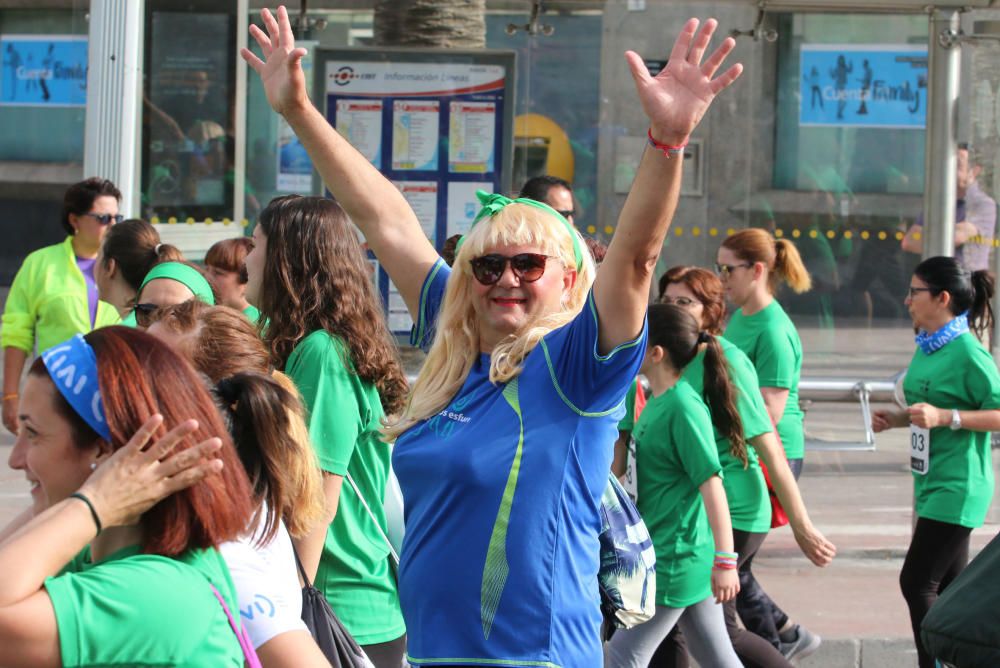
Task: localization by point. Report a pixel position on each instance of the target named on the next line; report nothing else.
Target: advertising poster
(855, 85)
(471, 137)
(436, 129)
(360, 122)
(295, 169)
(415, 135)
(43, 71)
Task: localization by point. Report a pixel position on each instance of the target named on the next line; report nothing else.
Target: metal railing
(849, 390)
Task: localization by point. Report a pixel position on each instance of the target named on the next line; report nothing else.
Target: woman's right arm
(813, 544)
(292, 649)
(13, 366)
(310, 546)
(373, 203)
(882, 420)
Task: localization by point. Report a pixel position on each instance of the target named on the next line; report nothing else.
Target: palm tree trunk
(434, 23)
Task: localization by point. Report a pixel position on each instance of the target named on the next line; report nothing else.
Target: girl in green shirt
(952, 389)
(325, 330)
(681, 497)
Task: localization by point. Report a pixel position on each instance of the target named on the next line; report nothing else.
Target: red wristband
(666, 149)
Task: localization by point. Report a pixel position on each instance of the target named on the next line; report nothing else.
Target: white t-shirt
(267, 585)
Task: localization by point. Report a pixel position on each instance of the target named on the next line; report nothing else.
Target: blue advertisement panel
(43, 70)
(851, 85)
(437, 125)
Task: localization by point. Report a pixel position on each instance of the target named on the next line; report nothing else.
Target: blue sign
(863, 86)
(43, 70)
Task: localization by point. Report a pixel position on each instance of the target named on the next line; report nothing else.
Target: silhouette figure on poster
(839, 75)
(815, 93)
(866, 86)
(47, 63)
(13, 62)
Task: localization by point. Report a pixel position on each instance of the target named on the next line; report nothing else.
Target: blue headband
(72, 366)
(493, 203)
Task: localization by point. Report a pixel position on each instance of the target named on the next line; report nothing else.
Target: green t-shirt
(958, 485)
(252, 313)
(746, 490)
(344, 413)
(675, 454)
(628, 422)
(135, 609)
(772, 343)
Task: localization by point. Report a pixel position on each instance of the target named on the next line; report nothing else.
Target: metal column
(945, 56)
(114, 96)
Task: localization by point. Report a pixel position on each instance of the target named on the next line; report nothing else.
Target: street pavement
(862, 501)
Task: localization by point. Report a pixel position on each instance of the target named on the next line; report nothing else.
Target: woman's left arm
(675, 100)
(725, 583)
(927, 416)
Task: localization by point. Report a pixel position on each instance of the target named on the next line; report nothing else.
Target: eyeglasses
(567, 214)
(144, 314)
(683, 302)
(726, 269)
(915, 291)
(105, 218)
(528, 267)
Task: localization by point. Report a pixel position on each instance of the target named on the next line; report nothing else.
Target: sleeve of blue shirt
(590, 383)
(431, 298)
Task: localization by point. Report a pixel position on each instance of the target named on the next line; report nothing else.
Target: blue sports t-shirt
(501, 491)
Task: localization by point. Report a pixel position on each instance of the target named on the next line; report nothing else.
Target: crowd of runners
(207, 442)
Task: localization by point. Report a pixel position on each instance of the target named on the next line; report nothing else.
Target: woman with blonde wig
(504, 444)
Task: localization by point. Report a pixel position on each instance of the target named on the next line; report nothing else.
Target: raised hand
(281, 70)
(676, 99)
(137, 477)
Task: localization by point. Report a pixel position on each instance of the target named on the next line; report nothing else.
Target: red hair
(230, 255)
(707, 287)
(140, 376)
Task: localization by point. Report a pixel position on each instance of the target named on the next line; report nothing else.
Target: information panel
(437, 123)
(852, 85)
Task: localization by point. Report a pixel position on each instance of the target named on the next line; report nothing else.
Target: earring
(93, 466)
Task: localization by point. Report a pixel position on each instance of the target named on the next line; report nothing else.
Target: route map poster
(438, 124)
(851, 85)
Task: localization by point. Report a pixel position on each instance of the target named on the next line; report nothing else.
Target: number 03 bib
(920, 449)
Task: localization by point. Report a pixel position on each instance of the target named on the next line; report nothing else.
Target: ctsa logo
(346, 74)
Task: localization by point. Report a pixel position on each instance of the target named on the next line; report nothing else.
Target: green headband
(494, 202)
(186, 275)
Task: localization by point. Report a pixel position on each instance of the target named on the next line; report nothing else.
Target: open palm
(676, 99)
(281, 70)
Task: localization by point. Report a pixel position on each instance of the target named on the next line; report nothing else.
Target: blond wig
(456, 343)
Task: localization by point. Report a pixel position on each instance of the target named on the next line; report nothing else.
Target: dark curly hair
(316, 277)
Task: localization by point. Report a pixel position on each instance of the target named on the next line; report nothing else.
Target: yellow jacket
(47, 303)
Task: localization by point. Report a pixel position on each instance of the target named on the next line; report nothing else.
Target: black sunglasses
(567, 214)
(144, 314)
(105, 218)
(726, 269)
(528, 267)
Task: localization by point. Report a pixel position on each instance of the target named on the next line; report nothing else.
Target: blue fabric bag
(627, 575)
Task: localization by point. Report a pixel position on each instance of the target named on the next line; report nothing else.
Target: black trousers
(938, 552)
(387, 654)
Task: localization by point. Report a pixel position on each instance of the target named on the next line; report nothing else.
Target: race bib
(920, 449)
(630, 481)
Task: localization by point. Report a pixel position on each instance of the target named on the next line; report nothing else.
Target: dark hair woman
(952, 390)
(54, 293)
(700, 293)
(680, 495)
(326, 331)
(130, 250)
(120, 535)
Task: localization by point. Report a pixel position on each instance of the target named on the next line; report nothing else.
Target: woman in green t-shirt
(700, 292)
(952, 390)
(120, 538)
(680, 494)
(326, 331)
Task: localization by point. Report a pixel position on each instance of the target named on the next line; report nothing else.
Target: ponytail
(788, 267)
(721, 400)
(267, 423)
(676, 331)
(166, 253)
(981, 311)
(135, 247)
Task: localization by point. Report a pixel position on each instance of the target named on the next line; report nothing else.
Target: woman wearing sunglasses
(114, 563)
(952, 390)
(54, 294)
(700, 293)
(325, 330)
(166, 284)
(503, 448)
(130, 250)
